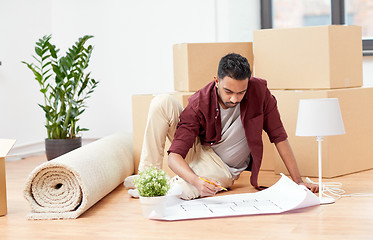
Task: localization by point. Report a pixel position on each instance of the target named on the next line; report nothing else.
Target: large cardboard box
(341, 154)
(322, 57)
(140, 108)
(5, 146)
(196, 64)
(269, 154)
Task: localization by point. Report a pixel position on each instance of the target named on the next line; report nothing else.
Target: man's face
(230, 91)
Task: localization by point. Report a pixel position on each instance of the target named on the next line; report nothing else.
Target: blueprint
(285, 195)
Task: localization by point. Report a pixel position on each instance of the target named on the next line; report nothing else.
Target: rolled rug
(67, 186)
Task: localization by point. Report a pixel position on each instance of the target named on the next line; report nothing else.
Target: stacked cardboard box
(5, 146)
(342, 154)
(196, 64)
(319, 62)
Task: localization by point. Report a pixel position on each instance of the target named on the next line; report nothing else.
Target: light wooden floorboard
(117, 216)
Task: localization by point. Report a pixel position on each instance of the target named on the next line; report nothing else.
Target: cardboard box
(269, 154)
(196, 64)
(5, 146)
(322, 57)
(140, 108)
(341, 154)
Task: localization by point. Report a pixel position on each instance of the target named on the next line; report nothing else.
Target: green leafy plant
(152, 182)
(64, 84)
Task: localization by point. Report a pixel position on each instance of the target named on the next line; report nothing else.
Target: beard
(230, 104)
(226, 104)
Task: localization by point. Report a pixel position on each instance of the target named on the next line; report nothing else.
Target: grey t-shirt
(232, 148)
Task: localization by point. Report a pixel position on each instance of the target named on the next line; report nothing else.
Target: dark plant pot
(57, 147)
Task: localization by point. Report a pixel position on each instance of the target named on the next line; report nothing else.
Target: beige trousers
(163, 117)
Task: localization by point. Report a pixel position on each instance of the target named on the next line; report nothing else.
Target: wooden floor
(117, 216)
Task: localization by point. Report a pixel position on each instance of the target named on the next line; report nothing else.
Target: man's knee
(161, 100)
(164, 103)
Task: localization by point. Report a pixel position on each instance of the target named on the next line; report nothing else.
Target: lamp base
(326, 200)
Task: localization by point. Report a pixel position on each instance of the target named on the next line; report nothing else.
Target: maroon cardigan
(202, 118)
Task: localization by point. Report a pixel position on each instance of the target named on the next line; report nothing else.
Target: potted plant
(152, 184)
(65, 86)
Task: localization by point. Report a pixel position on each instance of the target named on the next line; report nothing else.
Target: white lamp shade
(319, 117)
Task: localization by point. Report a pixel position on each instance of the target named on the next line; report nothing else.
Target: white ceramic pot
(153, 207)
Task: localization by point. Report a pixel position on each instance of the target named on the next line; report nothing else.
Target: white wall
(133, 49)
(236, 20)
(133, 53)
(22, 23)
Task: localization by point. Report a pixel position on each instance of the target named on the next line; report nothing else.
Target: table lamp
(319, 117)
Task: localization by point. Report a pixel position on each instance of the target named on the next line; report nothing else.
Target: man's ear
(216, 81)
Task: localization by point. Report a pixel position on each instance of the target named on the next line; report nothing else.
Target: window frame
(337, 18)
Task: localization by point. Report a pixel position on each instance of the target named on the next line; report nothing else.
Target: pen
(213, 183)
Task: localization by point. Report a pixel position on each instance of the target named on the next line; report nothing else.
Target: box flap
(5, 146)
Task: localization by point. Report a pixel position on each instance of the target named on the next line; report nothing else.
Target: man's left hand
(311, 186)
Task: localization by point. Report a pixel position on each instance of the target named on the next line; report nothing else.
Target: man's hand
(182, 169)
(288, 158)
(205, 188)
(312, 187)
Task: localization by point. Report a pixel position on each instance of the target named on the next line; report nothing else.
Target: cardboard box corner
(5, 146)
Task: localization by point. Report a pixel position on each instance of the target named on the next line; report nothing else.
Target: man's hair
(234, 66)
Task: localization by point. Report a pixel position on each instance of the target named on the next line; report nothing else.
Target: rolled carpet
(67, 186)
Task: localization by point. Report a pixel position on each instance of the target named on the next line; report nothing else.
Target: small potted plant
(65, 86)
(152, 184)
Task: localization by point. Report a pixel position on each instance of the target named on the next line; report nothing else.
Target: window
(295, 13)
(288, 14)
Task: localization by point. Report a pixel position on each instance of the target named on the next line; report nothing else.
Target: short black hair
(234, 66)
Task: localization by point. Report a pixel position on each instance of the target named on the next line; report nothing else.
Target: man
(219, 134)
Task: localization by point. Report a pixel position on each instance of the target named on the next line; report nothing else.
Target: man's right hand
(205, 188)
